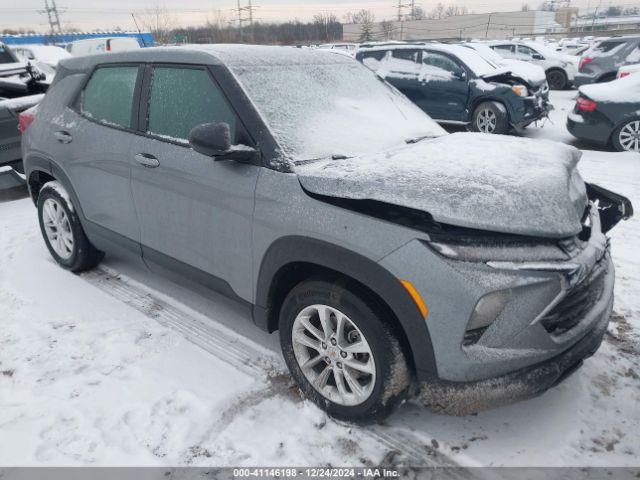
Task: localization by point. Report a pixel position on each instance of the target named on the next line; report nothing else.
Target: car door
(444, 86)
(528, 54)
(194, 211)
(94, 138)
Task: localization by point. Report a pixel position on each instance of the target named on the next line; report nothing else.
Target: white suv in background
(560, 69)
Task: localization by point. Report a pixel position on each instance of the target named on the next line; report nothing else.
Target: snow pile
(21, 103)
(623, 90)
(489, 182)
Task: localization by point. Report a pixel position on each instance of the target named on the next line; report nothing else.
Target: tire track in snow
(241, 353)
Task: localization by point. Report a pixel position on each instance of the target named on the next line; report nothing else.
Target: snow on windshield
(48, 54)
(325, 105)
(623, 90)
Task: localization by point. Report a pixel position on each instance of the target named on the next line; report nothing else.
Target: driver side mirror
(214, 140)
(537, 56)
(461, 75)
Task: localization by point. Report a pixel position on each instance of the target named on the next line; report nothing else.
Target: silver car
(394, 259)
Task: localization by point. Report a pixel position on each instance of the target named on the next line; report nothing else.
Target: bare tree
(442, 11)
(387, 28)
(324, 21)
(418, 13)
(160, 22)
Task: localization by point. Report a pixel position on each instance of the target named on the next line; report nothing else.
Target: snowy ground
(119, 367)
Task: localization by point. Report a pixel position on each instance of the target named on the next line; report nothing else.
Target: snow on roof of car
(623, 90)
(471, 58)
(235, 55)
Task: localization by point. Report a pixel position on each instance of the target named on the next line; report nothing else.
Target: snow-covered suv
(560, 69)
(386, 252)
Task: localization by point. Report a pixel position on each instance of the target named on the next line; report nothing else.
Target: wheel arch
(40, 170)
(292, 259)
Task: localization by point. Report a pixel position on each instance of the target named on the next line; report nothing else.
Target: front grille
(577, 303)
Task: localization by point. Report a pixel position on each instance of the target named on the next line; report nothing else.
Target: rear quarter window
(108, 96)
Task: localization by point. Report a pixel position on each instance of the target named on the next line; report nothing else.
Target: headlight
(484, 250)
(520, 90)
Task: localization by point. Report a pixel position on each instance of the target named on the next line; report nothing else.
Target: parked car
(386, 252)
(601, 62)
(529, 72)
(349, 48)
(609, 114)
(627, 70)
(559, 68)
(92, 46)
(21, 87)
(454, 84)
(44, 57)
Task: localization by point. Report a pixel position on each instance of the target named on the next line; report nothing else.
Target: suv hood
(473, 180)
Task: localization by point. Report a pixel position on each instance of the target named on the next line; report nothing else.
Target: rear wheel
(490, 117)
(557, 79)
(626, 138)
(341, 350)
(62, 231)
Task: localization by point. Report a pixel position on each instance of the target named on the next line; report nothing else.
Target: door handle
(147, 160)
(63, 137)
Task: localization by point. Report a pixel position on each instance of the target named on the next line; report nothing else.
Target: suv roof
(213, 54)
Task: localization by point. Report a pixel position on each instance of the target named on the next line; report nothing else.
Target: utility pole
(248, 18)
(486, 35)
(53, 16)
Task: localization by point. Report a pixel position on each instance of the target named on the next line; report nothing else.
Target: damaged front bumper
(463, 398)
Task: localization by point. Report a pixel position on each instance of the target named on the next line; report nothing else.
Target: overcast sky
(106, 14)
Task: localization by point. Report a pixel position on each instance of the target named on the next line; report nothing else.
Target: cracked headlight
(520, 90)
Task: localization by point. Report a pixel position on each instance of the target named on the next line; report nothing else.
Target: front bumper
(463, 398)
(533, 108)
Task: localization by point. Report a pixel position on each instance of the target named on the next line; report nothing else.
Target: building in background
(145, 39)
(497, 25)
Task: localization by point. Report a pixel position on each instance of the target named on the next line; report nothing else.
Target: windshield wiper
(418, 139)
(335, 156)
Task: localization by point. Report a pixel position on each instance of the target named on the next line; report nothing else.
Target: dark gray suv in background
(386, 252)
(601, 62)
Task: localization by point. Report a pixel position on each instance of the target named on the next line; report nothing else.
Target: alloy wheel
(57, 228)
(486, 121)
(333, 355)
(629, 136)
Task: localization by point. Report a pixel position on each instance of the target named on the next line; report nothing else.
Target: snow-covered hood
(488, 182)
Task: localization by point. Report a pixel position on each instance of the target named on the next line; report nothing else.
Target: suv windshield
(332, 107)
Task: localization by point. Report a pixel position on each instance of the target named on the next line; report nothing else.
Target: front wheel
(342, 351)
(557, 80)
(490, 117)
(62, 232)
(626, 138)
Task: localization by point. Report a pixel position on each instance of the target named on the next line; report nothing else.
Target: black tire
(501, 118)
(557, 79)
(392, 380)
(634, 126)
(83, 255)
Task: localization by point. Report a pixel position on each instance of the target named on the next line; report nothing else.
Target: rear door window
(608, 46)
(108, 96)
(406, 54)
(440, 65)
(5, 55)
(183, 98)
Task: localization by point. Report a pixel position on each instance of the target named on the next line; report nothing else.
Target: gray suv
(601, 62)
(394, 259)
